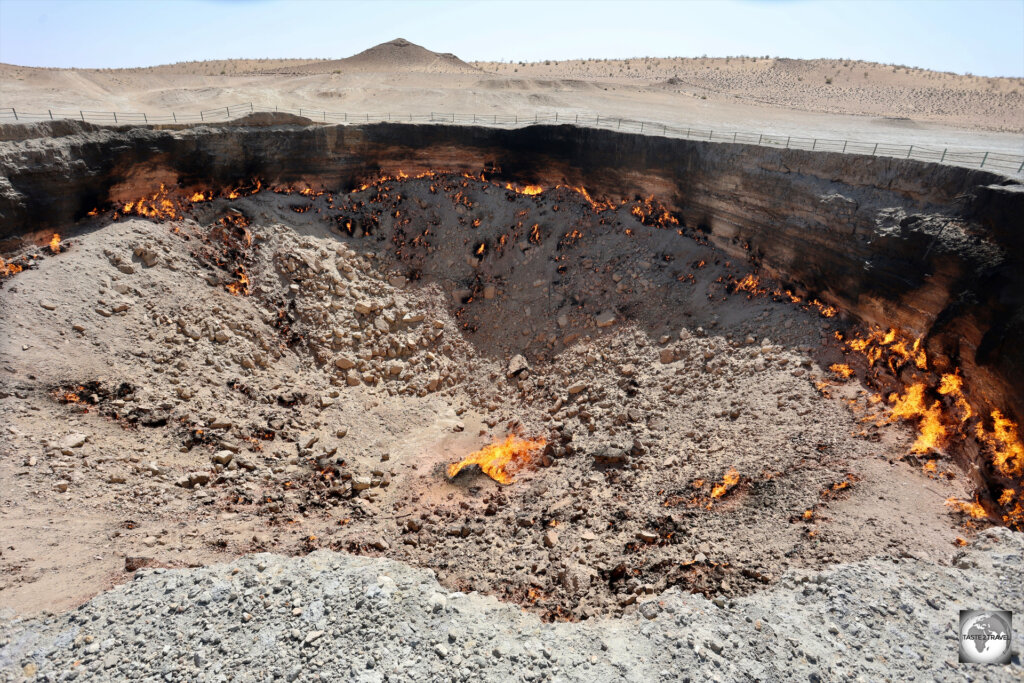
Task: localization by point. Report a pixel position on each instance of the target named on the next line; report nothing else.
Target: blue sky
(984, 37)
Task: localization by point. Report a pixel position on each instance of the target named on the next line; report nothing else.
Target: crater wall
(934, 249)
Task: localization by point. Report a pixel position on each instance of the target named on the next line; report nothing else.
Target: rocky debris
(342, 617)
(517, 365)
(610, 455)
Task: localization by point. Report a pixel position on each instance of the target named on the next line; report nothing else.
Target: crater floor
(288, 372)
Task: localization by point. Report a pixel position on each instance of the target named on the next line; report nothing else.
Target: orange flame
(501, 460)
(241, 287)
(974, 509)
(529, 190)
(159, 205)
(9, 269)
(729, 480)
(55, 243)
(841, 369)
(952, 385)
(912, 405)
(1004, 440)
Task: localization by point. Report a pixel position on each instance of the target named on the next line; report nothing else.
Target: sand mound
(398, 55)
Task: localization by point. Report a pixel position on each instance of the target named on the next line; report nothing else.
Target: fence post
(664, 129)
(844, 146)
(598, 124)
(82, 114)
(325, 116)
(227, 113)
(495, 119)
(943, 155)
(145, 118)
(346, 116)
(474, 118)
(983, 160)
(687, 132)
(787, 141)
(875, 150)
(1021, 167)
(173, 116)
(759, 136)
(641, 126)
(201, 117)
(250, 107)
(535, 117)
(620, 125)
(15, 113)
(909, 150)
(115, 116)
(50, 113)
(577, 118)
(814, 146)
(556, 117)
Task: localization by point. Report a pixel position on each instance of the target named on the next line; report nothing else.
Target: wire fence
(996, 161)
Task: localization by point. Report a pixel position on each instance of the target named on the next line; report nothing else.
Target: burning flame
(841, 369)
(974, 509)
(952, 384)
(652, 213)
(160, 205)
(729, 480)
(500, 461)
(912, 405)
(752, 285)
(9, 269)
(1004, 440)
(896, 347)
(55, 243)
(529, 190)
(241, 286)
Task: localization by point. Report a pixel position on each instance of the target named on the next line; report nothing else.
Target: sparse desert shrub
(828, 80)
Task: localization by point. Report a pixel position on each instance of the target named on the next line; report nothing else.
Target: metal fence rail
(996, 161)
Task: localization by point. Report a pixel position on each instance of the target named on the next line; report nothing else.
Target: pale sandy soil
(788, 97)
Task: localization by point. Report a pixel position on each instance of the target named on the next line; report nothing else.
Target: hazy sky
(984, 37)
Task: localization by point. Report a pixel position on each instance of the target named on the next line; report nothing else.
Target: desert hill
(395, 56)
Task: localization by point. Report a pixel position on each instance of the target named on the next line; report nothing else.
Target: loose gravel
(331, 616)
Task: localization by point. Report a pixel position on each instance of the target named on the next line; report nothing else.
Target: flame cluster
(894, 347)
(936, 403)
(161, 205)
(501, 460)
(9, 269)
(751, 284)
(653, 214)
(913, 405)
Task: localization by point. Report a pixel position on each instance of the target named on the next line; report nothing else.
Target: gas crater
(566, 367)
